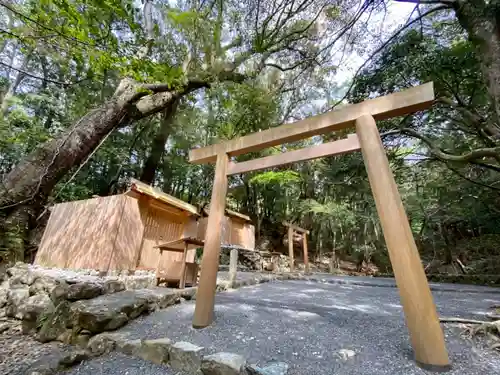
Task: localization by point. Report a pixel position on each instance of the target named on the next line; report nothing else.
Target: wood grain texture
(397, 104)
(129, 236)
(205, 297)
(82, 234)
(51, 253)
(161, 227)
(418, 305)
(158, 195)
(172, 272)
(290, 248)
(309, 153)
(113, 233)
(234, 231)
(306, 255)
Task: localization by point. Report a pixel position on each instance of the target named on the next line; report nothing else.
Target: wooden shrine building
(124, 232)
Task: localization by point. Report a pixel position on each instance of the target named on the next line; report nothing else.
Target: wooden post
(290, 247)
(205, 297)
(233, 265)
(182, 281)
(418, 305)
(306, 256)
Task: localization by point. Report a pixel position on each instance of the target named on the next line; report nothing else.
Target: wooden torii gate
(294, 228)
(420, 312)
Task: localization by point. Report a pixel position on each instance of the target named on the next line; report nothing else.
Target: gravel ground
(18, 352)
(306, 324)
(116, 363)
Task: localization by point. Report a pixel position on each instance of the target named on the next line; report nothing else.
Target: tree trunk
(38, 172)
(158, 144)
(480, 19)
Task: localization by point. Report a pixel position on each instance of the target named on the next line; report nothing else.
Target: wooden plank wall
(161, 226)
(129, 235)
(82, 234)
(234, 232)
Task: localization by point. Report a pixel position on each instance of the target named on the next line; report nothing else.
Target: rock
(55, 323)
(4, 327)
(156, 351)
(129, 347)
(59, 292)
(56, 289)
(159, 298)
(15, 299)
(113, 286)
(17, 271)
(107, 312)
(47, 365)
(55, 361)
(277, 368)
(42, 284)
(188, 293)
(83, 290)
(27, 278)
(223, 364)
(72, 358)
(3, 297)
(66, 337)
(36, 306)
(103, 343)
(81, 340)
(186, 356)
(140, 282)
(346, 353)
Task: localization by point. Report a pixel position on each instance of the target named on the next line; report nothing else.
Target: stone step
(109, 312)
(181, 356)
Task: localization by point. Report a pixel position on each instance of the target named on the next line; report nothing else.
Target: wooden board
(50, 252)
(235, 232)
(129, 236)
(82, 234)
(161, 227)
(309, 153)
(172, 272)
(416, 298)
(397, 104)
(137, 186)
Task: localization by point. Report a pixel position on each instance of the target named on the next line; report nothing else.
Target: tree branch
(41, 78)
(456, 171)
(471, 157)
(7, 6)
(385, 44)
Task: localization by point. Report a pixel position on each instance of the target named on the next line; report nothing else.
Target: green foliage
(281, 179)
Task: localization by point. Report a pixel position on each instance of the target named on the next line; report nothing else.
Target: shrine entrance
(420, 312)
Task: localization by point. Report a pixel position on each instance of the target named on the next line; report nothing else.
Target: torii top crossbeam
(420, 312)
(398, 104)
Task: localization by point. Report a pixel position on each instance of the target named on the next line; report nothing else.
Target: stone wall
(248, 260)
(55, 304)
